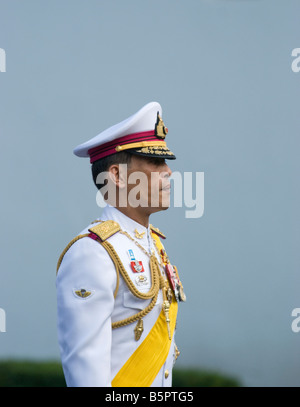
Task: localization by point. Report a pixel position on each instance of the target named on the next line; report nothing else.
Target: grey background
(221, 70)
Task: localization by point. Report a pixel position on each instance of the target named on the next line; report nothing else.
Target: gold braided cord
(137, 316)
(157, 283)
(154, 274)
(118, 278)
(157, 279)
(71, 244)
(67, 248)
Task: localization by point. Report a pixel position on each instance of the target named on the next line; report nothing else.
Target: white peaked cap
(143, 133)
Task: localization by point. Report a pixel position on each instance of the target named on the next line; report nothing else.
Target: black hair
(103, 164)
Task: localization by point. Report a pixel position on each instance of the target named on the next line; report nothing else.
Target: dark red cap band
(109, 148)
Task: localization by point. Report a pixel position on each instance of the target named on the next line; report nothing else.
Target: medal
(171, 276)
(172, 280)
(141, 280)
(175, 282)
(164, 256)
(137, 266)
(181, 294)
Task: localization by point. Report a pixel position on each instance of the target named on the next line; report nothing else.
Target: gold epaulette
(157, 231)
(105, 229)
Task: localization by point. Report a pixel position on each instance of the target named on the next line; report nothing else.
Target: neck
(134, 214)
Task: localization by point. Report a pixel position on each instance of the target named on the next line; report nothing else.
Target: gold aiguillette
(166, 308)
(138, 330)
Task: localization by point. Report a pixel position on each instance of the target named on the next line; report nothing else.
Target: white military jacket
(92, 352)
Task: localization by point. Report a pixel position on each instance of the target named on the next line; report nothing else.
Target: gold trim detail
(157, 283)
(71, 244)
(83, 293)
(67, 248)
(177, 353)
(140, 144)
(153, 150)
(157, 231)
(105, 229)
(138, 330)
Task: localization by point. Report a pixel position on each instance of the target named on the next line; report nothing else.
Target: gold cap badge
(160, 129)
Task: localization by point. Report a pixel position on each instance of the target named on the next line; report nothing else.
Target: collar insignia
(138, 235)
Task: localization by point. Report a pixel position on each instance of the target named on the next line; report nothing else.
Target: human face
(148, 183)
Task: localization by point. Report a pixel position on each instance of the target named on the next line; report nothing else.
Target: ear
(117, 175)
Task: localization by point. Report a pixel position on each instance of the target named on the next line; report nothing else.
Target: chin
(162, 207)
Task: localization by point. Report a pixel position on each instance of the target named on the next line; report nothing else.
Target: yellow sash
(144, 364)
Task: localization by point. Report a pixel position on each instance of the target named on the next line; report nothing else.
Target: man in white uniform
(117, 292)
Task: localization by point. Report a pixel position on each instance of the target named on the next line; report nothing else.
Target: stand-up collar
(135, 229)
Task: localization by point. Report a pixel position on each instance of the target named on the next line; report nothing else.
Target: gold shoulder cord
(158, 281)
(67, 248)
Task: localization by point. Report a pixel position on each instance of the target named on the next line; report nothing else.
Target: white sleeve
(84, 324)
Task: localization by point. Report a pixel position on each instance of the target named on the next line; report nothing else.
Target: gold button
(177, 353)
(166, 374)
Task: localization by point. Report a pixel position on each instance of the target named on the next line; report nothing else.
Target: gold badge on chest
(138, 235)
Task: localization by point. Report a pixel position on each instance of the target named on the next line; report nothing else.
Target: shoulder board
(105, 229)
(157, 231)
